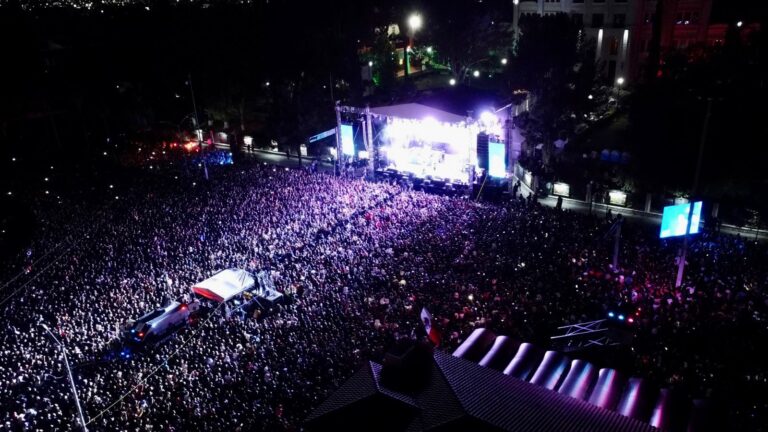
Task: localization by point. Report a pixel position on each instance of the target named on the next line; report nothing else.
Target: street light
(69, 373)
(617, 90)
(414, 22)
(370, 63)
(739, 24)
(476, 73)
(197, 123)
(504, 61)
(452, 82)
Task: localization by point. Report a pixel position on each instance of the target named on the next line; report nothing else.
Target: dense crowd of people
(357, 260)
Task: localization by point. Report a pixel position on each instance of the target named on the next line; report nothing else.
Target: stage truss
(424, 147)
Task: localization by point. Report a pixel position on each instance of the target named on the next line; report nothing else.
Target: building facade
(682, 24)
(624, 29)
(608, 22)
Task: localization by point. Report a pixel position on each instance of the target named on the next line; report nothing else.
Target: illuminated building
(608, 22)
(623, 29)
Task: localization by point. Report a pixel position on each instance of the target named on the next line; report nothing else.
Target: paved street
(569, 204)
(650, 218)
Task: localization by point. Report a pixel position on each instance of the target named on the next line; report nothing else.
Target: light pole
(197, 125)
(69, 373)
(619, 83)
(694, 190)
(414, 24)
(515, 22)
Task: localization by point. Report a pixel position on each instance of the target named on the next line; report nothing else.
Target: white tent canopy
(224, 285)
(414, 111)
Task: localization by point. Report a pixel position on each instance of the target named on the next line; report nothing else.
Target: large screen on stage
(428, 148)
(497, 157)
(675, 220)
(347, 140)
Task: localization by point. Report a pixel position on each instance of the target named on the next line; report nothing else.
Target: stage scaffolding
(365, 116)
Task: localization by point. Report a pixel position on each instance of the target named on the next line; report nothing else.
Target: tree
(382, 55)
(470, 35)
(555, 65)
(667, 118)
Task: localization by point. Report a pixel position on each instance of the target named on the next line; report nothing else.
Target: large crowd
(357, 260)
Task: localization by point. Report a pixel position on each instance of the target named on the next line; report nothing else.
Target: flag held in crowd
(432, 333)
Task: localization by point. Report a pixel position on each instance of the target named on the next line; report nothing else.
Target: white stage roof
(416, 111)
(224, 285)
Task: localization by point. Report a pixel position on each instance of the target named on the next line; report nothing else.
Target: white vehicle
(158, 324)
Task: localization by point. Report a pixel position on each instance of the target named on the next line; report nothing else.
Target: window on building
(597, 20)
(619, 20)
(614, 46)
(577, 19)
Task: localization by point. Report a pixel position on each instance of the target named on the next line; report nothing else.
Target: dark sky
(735, 10)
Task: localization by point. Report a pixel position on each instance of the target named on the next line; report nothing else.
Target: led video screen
(428, 148)
(675, 220)
(347, 140)
(497, 157)
(561, 189)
